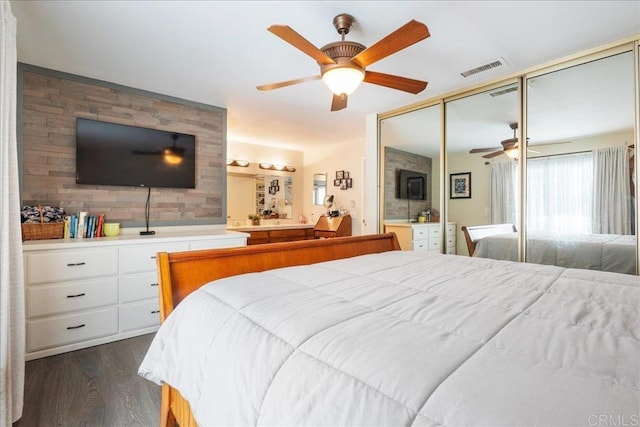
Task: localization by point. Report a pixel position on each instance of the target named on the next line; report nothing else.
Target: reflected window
(560, 193)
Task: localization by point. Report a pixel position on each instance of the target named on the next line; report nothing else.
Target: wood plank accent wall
(394, 160)
(51, 101)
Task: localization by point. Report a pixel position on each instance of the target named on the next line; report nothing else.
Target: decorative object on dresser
(423, 236)
(81, 293)
(328, 226)
(39, 223)
(255, 219)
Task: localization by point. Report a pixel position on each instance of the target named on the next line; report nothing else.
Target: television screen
(114, 154)
(411, 185)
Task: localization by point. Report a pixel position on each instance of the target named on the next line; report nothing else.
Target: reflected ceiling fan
(172, 154)
(343, 63)
(509, 146)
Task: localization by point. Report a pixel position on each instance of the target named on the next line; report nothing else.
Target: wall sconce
(240, 163)
(270, 166)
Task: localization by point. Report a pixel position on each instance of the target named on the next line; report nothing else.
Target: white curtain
(612, 191)
(12, 321)
(560, 193)
(504, 184)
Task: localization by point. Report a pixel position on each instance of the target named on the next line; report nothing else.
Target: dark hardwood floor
(97, 386)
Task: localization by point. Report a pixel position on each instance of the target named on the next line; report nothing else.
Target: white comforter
(407, 338)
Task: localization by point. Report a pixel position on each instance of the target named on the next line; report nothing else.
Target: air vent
(504, 91)
(493, 64)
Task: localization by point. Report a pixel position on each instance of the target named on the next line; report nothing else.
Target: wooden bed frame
(181, 273)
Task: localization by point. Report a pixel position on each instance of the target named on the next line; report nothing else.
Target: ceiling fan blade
(395, 82)
(492, 155)
(484, 150)
(338, 102)
(410, 33)
(548, 143)
(271, 86)
(287, 34)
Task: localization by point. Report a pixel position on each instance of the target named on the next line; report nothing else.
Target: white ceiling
(216, 52)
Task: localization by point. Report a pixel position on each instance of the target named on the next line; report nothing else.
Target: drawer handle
(76, 327)
(155, 311)
(75, 264)
(76, 295)
(154, 284)
(153, 257)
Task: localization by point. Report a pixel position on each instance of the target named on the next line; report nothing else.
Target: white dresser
(85, 292)
(417, 236)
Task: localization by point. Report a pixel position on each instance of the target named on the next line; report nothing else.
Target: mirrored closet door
(580, 166)
(482, 170)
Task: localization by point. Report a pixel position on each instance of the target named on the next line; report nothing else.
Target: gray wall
(48, 105)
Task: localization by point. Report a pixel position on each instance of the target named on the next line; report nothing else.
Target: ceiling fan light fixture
(343, 80)
(512, 153)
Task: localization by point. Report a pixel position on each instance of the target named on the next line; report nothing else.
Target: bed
(370, 335)
(604, 252)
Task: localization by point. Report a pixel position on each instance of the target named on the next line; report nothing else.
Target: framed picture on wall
(349, 183)
(336, 182)
(339, 174)
(460, 185)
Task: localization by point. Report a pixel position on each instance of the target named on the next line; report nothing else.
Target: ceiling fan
(343, 63)
(509, 146)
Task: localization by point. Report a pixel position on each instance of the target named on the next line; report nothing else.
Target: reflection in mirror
(410, 142)
(580, 207)
(319, 188)
(410, 173)
(268, 195)
(480, 141)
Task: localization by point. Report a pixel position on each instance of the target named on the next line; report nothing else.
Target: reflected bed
(603, 252)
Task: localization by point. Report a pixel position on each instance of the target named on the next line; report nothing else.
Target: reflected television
(411, 185)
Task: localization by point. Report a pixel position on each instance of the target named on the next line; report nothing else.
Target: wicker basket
(42, 230)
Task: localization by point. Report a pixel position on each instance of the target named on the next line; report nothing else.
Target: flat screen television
(115, 154)
(411, 185)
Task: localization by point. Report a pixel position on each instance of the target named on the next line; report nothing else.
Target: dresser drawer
(137, 258)
(138, 315)
(434, 232)
(420, 233)
(420, 245)
(58, 266)
(451, 250)
(324, 234)
(138, 286)
(451, 229)
(434, 245)
(44, 300)
(60, 330)
(451, 240)
(217, 243)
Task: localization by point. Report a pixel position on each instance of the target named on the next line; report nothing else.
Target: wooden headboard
(474, 233)
(180, 273)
